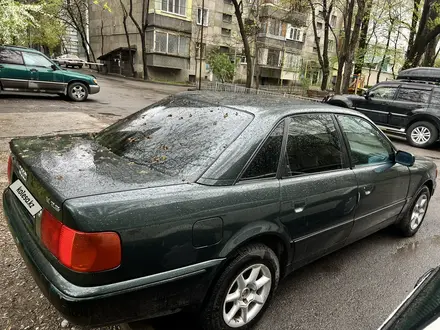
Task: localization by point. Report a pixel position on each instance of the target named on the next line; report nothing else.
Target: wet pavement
(354, 288)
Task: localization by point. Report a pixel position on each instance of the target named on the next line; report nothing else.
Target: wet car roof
(262, 105)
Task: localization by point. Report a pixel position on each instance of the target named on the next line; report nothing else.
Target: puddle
(411, 247)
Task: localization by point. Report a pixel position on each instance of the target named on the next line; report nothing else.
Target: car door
(13, 73)
(318, 189)
(377, 102)
(382, 183)
(407, 100)
(43, 76)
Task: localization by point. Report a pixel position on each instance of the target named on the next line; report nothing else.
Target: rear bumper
(120, 302)
(93, 89)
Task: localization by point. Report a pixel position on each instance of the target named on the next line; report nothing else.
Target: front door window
(33, 59)
(367, 144)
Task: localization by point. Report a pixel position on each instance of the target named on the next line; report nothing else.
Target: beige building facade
(283, 42)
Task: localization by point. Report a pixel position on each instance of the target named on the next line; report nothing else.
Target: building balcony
(279, 42)
(168, 61)
(293, 17)
(169, 23)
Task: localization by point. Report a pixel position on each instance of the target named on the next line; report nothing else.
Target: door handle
(299, 206)
(368, 189)
(33, 70)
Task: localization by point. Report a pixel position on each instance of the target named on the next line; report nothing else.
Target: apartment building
(283, 42)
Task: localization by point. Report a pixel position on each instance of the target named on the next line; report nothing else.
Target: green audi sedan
(27, 70)
(203, 202)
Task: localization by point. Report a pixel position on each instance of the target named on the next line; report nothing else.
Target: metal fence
(224, 87)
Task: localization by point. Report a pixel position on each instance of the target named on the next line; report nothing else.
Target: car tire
(77, 91)
(422, 134)
(258, 268)
(412, 220)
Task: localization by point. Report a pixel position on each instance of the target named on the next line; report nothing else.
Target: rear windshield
(178, 137)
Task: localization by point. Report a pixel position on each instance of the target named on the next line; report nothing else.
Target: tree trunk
(348, 18)
(415, 20)
(429, 57)
(353, 44)
(142, 27)
(363, 40)
(387, 46)
(247, 49)
(426, 32)
(144, 56)
(127, 37)
(102, 40)
(395, 53)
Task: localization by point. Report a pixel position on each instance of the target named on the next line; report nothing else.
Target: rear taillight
(10, 169)
(79, 251)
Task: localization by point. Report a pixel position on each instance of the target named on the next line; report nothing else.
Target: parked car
(27, 70)
(420, 310)
(203, 201)
(409, 108)
(70, 60)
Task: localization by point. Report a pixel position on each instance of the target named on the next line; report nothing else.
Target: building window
(226, 32)
(320, 14)
(294, 33)
(273, 57)
(333, 21)
(205, 16)
(224, 50)
(293, 61)
(198, 50)
(172, 44)
(174, 6)
(274, 27)
(227, 18)
(319, 26)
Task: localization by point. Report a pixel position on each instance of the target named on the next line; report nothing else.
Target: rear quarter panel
(422, 171)
(156, 225)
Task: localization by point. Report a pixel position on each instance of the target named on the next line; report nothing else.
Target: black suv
(409, 105)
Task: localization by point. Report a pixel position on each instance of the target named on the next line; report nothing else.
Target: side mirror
(405, 158)
(54, 67)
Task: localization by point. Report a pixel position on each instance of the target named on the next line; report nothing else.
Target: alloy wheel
(420, 134)
(78, 92)
(419, 211)
(247, 295)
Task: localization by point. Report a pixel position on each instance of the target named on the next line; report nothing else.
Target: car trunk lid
(58, 168)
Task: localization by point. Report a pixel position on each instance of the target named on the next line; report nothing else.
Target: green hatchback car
(27, 70)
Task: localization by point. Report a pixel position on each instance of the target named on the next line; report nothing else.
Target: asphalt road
(354, 288)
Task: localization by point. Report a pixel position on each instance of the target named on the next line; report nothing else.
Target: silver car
(70, 60)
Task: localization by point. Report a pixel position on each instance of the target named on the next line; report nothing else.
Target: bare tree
(73, 13)
(142, 30)
(363, 38)
(327, 9)
(428, 30)
(351, 37)
(238, 6)
(125, 17)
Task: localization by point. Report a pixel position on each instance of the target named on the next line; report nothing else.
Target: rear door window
(265, 163)
(313, 145)
(384, 92)
(435, 99)
(413, 95)
(9, 56)
(178, 137)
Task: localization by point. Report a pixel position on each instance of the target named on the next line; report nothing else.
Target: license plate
(25, 197)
